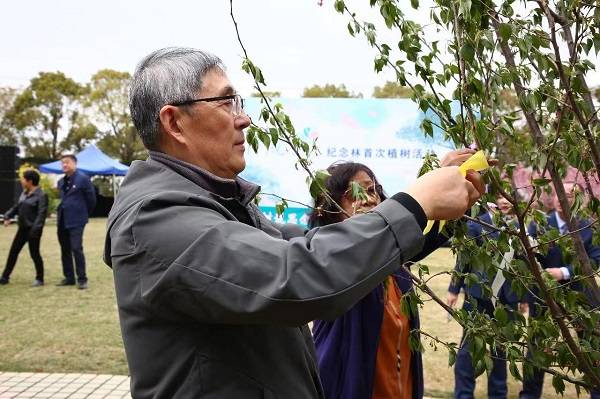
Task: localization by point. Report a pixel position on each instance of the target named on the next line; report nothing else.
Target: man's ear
(170, 120)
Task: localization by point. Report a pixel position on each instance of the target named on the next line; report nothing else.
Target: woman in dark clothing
(365, 353)
(32, 210)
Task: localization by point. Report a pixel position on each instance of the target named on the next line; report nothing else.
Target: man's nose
(242, 121)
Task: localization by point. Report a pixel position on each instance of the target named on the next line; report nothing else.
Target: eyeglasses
(374, 191)
(234, 101)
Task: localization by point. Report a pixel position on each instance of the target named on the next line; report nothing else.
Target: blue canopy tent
(91, 161)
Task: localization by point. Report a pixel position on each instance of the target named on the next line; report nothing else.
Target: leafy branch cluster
(517, 72)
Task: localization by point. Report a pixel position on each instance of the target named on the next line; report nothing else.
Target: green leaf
(319, 181)
(339, 6)
(558, 384)
(465, 7)
(414, 4)
(451, 357)
(280, 207)
(514, 370)
(500, 315)
(467, 52)
(427, 127)
(540, 182)
(264, 138)
(505, 31)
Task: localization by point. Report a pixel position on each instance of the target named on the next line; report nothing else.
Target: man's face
(504, 205)
(26, 184)
(214, 137)
(68, 165)
(570, 190)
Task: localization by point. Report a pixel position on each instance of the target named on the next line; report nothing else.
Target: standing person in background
(32, 210)
(78, 200)
(365, 353)
(476, 300)
(553, 263)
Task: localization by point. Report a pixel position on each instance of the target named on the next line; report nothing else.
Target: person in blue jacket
(476, 300)
(554, 264)
(78, 200)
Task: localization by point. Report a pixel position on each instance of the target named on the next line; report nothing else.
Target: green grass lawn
(60, 329)
(63, 329)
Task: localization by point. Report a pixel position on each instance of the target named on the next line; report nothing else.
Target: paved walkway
(72, 386)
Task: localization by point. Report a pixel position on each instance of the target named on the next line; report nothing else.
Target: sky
(297, 43)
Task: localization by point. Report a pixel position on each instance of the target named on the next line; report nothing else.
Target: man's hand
(6, 222)
(451, 299)
(523, 307)
(556, 273)
(444, 194)
(456, 157)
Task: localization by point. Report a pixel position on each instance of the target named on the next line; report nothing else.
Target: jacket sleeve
(42, 212)
(592, 250)
(89, 195)
(198, 264)
(11, 212)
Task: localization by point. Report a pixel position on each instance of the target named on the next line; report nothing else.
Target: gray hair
(165, 76)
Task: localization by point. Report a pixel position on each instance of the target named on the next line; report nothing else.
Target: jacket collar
(238, 188)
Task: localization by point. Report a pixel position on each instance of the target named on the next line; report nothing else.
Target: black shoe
(65, 282)
(37, 283)
(3, 281)
(82, 285)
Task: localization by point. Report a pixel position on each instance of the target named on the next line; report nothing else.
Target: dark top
(213, 302)
(554, 257)
(32, 209)
(347, 346)
(78, 200)
(475, 230)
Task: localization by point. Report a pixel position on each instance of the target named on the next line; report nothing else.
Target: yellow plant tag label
(477, 162)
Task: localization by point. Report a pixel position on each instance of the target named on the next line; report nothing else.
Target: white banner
(385, 135)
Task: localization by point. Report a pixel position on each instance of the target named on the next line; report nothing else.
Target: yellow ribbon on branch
(477, 162)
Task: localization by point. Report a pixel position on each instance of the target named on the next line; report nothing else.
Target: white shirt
(563, 229)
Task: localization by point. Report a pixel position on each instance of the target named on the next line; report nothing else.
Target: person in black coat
(32, 210)
(78, 200)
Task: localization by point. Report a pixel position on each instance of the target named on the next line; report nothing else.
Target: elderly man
(213, 302)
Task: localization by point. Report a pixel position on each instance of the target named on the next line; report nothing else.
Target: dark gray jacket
(213, 303)
(32, 209)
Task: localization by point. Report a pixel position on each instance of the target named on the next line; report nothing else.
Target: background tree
(109, 100)
(392, 90)
(81, 134)
(271, 94)
(329, 90)
(40, 112)
(7, 133)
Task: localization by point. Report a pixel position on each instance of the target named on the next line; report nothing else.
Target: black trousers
(464, 372)
(71, 247)
(21, 238)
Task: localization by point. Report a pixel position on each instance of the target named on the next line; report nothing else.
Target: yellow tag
(476, 162)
